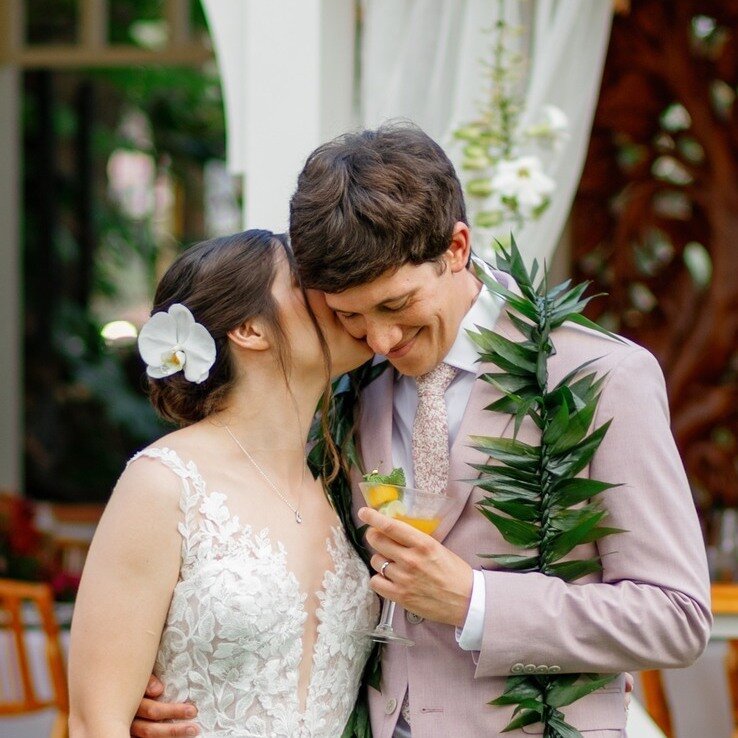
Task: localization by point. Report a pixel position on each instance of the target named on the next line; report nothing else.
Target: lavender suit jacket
(649, 608)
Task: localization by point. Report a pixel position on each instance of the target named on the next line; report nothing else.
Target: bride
(219, 562)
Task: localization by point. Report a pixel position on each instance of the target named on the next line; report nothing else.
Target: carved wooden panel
(656, 218)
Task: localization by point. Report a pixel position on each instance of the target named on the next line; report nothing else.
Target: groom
(378, 223)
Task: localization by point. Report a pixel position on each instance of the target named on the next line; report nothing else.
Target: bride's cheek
(361, 348)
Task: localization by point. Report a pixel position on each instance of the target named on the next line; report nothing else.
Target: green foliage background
(85, 411)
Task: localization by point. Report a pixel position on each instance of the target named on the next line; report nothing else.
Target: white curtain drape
(287, 72)
(227, 23)
(569, 43)
(421, 60)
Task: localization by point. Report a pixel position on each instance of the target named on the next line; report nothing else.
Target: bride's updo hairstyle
(223, 282)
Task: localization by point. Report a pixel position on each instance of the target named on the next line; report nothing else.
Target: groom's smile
(402, 350)
(411, 314)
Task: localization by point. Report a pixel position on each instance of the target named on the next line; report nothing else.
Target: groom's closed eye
(380, 308)
(393, 308)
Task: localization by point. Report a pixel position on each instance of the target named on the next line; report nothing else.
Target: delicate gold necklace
(295, 509)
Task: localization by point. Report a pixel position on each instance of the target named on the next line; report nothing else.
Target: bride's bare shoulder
(180, 447)
(144, 510)
(160, 467)
(155, 469)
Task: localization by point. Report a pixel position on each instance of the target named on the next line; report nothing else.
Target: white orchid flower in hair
(172, 341)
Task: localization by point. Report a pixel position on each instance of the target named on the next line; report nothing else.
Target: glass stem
(388, 613)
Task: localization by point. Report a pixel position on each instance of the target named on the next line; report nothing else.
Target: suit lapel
(375, 428)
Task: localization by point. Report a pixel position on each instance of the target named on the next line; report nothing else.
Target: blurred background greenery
(121, 168)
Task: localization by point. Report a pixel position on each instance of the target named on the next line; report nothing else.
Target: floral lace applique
(232, 642)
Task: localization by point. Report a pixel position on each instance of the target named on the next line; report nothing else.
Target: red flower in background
(25, 552)
(23, 537)
(65, 586)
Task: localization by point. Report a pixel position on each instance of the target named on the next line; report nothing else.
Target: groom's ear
(251, 334)
(459, 249)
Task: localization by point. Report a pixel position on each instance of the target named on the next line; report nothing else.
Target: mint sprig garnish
(396, 477)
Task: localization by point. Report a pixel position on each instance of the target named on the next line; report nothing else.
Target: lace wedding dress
(233, 639)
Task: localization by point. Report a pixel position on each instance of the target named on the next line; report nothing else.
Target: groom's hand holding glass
(422, 576)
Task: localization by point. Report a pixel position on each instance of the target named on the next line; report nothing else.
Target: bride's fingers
(629, 685)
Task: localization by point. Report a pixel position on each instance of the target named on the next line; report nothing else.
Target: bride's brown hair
(224, 282)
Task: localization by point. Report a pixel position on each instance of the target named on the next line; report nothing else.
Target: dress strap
(193, 490)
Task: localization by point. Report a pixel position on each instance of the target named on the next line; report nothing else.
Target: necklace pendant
(298, 517)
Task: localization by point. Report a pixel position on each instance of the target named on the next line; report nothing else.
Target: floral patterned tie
(431, 443)
(430, 430)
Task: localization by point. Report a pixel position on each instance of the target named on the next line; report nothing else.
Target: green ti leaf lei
(342, 426)
(533, 496)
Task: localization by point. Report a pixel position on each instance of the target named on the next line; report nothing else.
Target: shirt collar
(464, 353)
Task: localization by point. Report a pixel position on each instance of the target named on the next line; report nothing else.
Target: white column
(287, 69)
(339, 89)
(10, 285)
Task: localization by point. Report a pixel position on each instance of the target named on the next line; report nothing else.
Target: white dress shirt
(463, 355)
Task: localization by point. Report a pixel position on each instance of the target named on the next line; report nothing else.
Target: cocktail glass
(424, 511)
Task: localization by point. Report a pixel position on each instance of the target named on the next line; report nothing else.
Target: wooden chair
(20, 695)
(655, 700)
(724, 602)
(71, 527)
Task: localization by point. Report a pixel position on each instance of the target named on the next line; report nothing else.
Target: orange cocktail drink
(425, 525)
(424, 511)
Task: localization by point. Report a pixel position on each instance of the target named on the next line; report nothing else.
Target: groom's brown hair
(372, 201)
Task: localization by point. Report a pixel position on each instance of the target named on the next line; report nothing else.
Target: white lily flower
(172, 341)
(553, 127)
(523, 182)
(555, 120)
